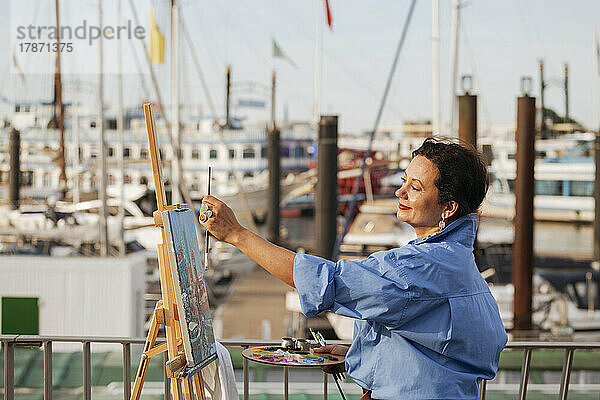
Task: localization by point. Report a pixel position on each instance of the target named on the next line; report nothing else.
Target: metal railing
(527, 347)
(45, 342)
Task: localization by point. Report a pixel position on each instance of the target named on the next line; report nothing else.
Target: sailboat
(127, 174)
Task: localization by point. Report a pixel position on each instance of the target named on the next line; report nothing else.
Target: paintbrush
(336, 376)
(207, 233)
(321, 340)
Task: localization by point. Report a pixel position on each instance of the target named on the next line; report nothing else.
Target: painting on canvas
(190, 288)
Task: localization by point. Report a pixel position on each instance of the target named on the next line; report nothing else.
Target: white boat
(256, 196)
(552, 310)
(564, 190)
(564, 178)
(77, 224)
(371, 231)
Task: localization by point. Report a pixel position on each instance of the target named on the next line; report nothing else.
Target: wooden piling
(467, 134)
(274, 164)
(14, 178)
(522, 259)
(467, 119)
(326, 199)
(597, 197)
(274, 196)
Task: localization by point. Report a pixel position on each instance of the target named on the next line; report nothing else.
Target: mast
(76, 160)
(227, 96)
(596, 128)
(435, 66)
(104, 244)
(454, 62)
(273, 86)
(121, 135)
(58, 106)
(318, 62)
(596, 82)
(542, 105)
(175, 171)
(566, 87)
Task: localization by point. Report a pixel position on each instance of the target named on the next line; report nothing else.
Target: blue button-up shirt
(427, 326)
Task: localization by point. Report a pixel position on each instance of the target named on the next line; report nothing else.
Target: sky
(500, 42)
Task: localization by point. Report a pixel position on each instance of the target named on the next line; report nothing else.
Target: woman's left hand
(336, 349)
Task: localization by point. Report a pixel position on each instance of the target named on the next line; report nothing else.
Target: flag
(277, 52)
(157, 42)
(328, 12)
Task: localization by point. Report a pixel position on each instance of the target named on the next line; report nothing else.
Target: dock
(255, 307)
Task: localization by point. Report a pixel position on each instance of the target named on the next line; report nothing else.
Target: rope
(350, 210)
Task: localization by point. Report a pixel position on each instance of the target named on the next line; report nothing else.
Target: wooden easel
(165, 311)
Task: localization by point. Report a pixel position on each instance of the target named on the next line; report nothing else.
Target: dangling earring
(442, 223)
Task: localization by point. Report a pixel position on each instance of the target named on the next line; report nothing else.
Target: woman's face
(418, 203)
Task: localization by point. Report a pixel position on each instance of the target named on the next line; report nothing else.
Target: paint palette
(283, 357)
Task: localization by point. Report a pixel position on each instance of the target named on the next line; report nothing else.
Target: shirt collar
(462, 230)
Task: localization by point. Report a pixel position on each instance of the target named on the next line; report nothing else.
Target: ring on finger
(204, 216)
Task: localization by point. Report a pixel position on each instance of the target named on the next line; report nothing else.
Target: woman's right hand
(222, 224)
(225, 226)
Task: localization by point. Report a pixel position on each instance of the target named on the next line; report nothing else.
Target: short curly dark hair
(463, 173)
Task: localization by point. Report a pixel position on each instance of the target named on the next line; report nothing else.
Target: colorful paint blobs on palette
(285, 357)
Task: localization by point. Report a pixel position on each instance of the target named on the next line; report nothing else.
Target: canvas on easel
(190, 288)
(167, 311)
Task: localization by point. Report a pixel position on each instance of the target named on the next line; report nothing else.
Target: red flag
(329, 18)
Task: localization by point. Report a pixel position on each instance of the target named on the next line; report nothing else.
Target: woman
(427, 326)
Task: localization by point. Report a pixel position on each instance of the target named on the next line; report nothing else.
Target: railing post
(285, 382)
(9, 370)
(482, 387)
(524, 374)
(47, 370)
(246, 392)
(87, 372)
(324, 385)
(126, 371)
(566, 374)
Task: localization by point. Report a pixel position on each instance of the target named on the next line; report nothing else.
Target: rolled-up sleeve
(371, 289)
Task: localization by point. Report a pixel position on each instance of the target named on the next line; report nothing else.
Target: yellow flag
(157, 42)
